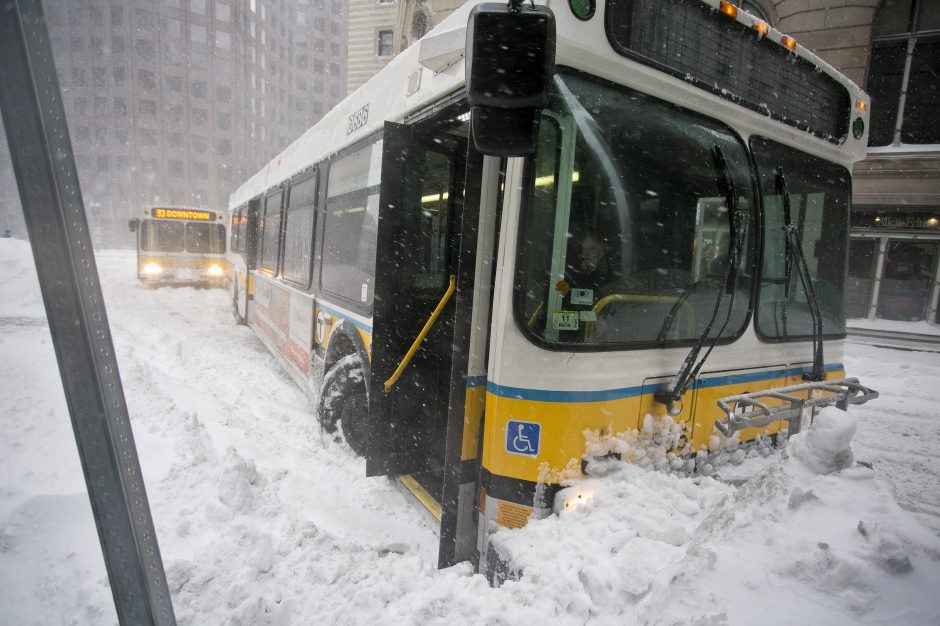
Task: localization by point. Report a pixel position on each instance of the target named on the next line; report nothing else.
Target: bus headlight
(572, 497)
(215, 270)
(152, 269)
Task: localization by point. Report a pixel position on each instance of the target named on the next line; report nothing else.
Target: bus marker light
(788, 42)
(215, 270)
(728, 9)
(152, 268)
(761, 27)
(861, 105)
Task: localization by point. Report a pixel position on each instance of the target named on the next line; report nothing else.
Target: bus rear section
(181, 246)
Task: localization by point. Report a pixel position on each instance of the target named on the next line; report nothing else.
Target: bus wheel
(343, 401)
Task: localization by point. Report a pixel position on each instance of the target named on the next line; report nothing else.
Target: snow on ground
(264, 520)
(917, 328)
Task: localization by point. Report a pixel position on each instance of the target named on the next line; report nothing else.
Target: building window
(200, 117)
(199, 89)
(223, 40)
(117, 45)
(173, 27)
(904, 74)
(103, 163)
(147, 108)
(174, 168)
(78, 76)
(223, 12)
(101, 105)
(99, 77)
(120, 105)
(200, 144)
(223, 121)
(147, 136)
(146, 79)
(197, 33)
(117, 16)
(384, 43)
(145, 50)
(197, 6)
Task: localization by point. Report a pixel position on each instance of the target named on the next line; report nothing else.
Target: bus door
(424, 263)
(245, 290)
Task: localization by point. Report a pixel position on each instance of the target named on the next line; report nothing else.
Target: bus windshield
(205, 238)
(818, 194)
(161, 236)
(627, 228)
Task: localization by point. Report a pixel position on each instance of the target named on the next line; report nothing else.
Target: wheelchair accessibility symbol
(523, 438)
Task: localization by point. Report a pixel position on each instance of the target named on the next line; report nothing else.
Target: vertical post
(876, 283)
(44, 165)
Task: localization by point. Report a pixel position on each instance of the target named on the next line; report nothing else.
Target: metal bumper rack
(750, 410)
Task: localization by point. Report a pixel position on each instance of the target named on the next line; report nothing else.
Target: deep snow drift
(264, 520)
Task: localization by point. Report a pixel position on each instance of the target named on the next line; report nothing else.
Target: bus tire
(344, 402)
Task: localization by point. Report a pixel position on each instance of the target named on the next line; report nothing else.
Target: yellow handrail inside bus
(625, 297)
(424, 331)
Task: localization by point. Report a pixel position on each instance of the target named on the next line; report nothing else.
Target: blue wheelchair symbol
(523, 438)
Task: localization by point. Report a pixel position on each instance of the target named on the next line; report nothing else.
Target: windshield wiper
(671, 394)
(796, 257)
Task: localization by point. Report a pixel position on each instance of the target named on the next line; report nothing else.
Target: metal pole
(44, 165)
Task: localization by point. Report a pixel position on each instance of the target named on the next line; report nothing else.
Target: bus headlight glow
(215, 270)
(572, 497)
(152, 269)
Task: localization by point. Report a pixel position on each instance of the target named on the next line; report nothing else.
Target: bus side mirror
(510, 62)
(132, 224)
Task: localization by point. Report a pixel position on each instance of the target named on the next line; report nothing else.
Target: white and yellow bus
(538, 222)
(179, 245)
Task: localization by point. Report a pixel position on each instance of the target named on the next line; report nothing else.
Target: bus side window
(349, 228)
(233, 228)
(271, 230)
(298, 230)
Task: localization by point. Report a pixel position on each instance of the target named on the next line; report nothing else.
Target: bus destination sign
(170, 213)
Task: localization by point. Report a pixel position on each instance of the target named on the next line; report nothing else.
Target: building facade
(371, 43)
(179, 101)
(892, 49)
(380, 29)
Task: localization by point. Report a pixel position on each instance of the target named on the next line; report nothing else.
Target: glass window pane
(906, 281)
(161, 236)
(298, 231)
(819, 201)
(893, 18)
(861, 276)
(929, 17)
(205, 238)
(350, 229)
(627, 237)
(885, 73)
(921, 123)
(271, 224)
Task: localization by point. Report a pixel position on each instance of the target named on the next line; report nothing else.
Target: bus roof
(433, 67)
